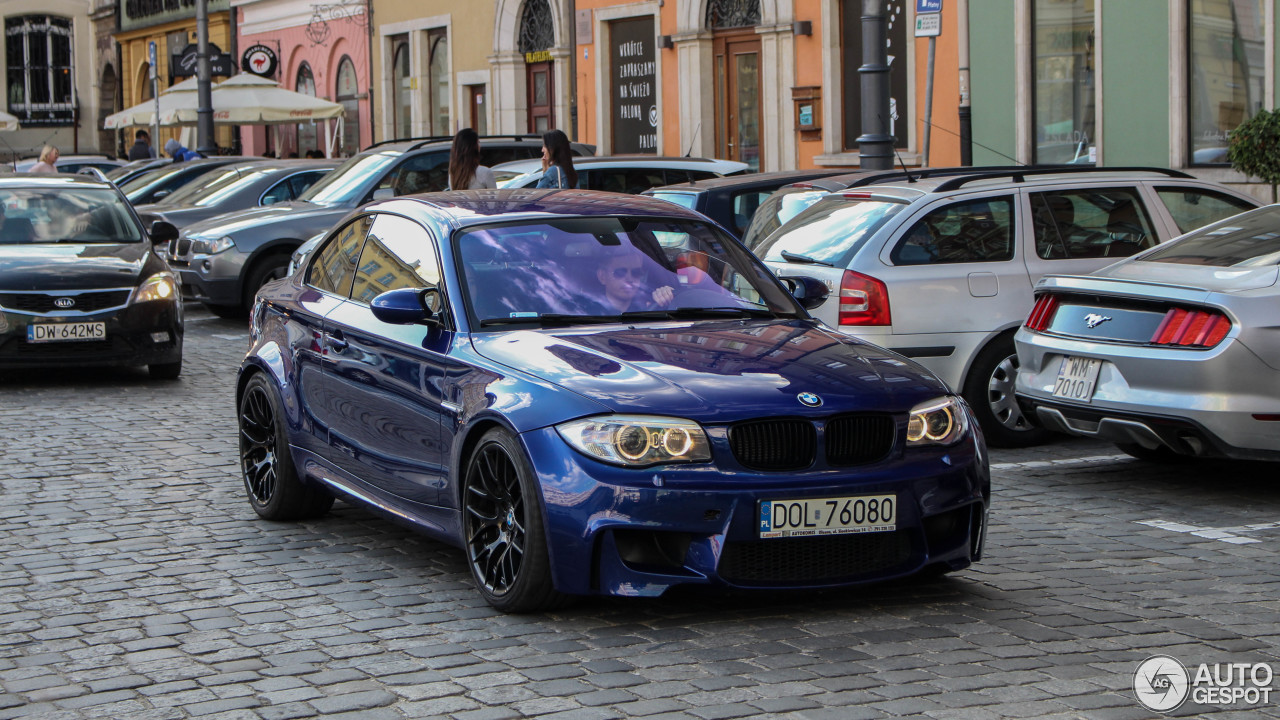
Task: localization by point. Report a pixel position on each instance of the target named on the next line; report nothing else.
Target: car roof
(474, 207)
(945, 179)
(446, 142)
(640, 161)
(51, 180)
(767, 179)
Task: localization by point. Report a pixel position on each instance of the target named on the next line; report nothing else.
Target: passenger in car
(14, 230)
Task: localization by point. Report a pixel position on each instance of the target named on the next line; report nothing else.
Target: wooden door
(540, 83)
(737, 86)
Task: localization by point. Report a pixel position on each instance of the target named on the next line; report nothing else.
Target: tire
(1162, 454)
(503, 528)
(165, 371)
(271, 267)
(228, 312)
(270, 480)
(989, 391)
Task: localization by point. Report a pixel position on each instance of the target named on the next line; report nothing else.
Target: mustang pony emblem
(1093, 320)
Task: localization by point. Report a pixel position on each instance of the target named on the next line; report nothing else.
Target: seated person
(66, 222)
(14, 230)
(624, 274)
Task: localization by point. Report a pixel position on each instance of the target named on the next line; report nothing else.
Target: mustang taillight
(1191, 328)
(864, 300)
(1042, 314)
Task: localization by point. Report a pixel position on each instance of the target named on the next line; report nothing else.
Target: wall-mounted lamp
(802, 27)
(665, 43)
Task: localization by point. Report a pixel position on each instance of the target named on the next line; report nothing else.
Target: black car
(235, 187)
(732, 201)
(224, 260)
(157, 184)
(80, 282)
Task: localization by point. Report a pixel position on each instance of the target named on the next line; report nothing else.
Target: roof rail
(420, 141)
(921, 173)
(1019, 174)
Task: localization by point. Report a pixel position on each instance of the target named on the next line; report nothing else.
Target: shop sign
(259, 60)
(633, 81)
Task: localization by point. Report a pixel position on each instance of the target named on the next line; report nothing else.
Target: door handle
(335, 343)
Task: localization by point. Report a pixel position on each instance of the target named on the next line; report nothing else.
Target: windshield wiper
(697, 312)
(549, 319)
(805, 259)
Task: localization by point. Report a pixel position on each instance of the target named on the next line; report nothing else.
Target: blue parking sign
(928, 6)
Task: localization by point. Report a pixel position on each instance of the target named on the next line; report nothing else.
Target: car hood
(68, 266)
(296, 210)
(1202, 277)
(716, 371)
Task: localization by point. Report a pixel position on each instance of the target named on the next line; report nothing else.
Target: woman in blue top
(557, 162)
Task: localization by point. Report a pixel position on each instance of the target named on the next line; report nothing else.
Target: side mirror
(160, 195)
(406, 306)
(810, 292)
(384, 193)
(163, 231)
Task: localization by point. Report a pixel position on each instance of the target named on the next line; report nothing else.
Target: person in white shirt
(465, 170)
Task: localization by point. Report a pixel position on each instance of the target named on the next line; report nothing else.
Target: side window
(427, 172)
(299, 183)
(679, 176)
(495, 156)
(607, 180)
(745, 205)
(280, 192)
(975, 231)
(399, 253)
(334, 265)
(1193, 208)
(1092, 223)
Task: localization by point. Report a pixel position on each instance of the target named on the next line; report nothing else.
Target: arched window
(403, 112)
(438, 41)
(306, 85)
(346, 93)
(733, 13)
(39, 69)
(537, 31)
(144, 83)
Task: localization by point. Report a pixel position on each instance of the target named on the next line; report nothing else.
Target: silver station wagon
(939, 265)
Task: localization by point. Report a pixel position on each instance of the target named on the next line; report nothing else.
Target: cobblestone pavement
(135, 582)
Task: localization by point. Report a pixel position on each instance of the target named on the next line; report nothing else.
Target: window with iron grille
(39, 69)
(537, 29)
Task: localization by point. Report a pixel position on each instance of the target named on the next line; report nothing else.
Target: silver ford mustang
(1175, 351)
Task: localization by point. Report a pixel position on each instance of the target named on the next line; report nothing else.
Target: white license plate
(1076, 378)
(828, 516)
(62, 332)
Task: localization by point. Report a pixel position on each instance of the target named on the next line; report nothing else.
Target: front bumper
(132, 338)
(1196, 402)
(618, 531)
(212, 279)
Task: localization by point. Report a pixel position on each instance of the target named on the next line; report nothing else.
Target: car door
(955, 269)
(385, 380)
(1080, 229)
(328, 282)
(423, 172)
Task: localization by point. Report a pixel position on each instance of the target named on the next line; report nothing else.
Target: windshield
(127, 169)
(147, 183)
(1247, 240)
(776, 210)
(829, 230)
(349, 182)
(217, 184)
(53, 215)
(582, 270)
(683, 199)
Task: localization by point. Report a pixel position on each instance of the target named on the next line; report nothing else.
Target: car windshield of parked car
(147, 183)
(828, 231)
(348, 182)
(1247, 240)
(776, 210)
(65, 215)
(581, 270)
(216, 187)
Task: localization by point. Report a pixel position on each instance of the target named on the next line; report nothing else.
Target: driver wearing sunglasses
(625, 277)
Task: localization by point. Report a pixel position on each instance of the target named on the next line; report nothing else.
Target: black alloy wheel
(503, 527)
(270, 479)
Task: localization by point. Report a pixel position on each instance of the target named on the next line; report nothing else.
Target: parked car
(940, 267)
(629, 174)
(733, 201)
(154, 185)
(224, 260)
(80, 283)
(592, 394)
(124, 173)
(787, 201)
(1172, 352)
(237, 187)
(72, 163)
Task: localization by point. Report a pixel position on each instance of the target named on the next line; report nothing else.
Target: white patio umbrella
(248, 99)
(8, 123)
(180, 95)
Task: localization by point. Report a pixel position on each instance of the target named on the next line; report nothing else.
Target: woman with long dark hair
(557, 161)
(465, 170)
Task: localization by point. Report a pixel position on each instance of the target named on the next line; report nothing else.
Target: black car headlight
(161, 286)
(942, 421)
(637, 440)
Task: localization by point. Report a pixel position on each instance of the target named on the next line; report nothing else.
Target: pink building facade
(320, 50)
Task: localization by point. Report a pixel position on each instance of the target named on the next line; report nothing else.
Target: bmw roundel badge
(809, 399)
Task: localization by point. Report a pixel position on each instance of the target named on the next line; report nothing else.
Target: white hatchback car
(939, 265)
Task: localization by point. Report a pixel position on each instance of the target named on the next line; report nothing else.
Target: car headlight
(211, 246)
(161, 286)
(937, 422)
(637, 440)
